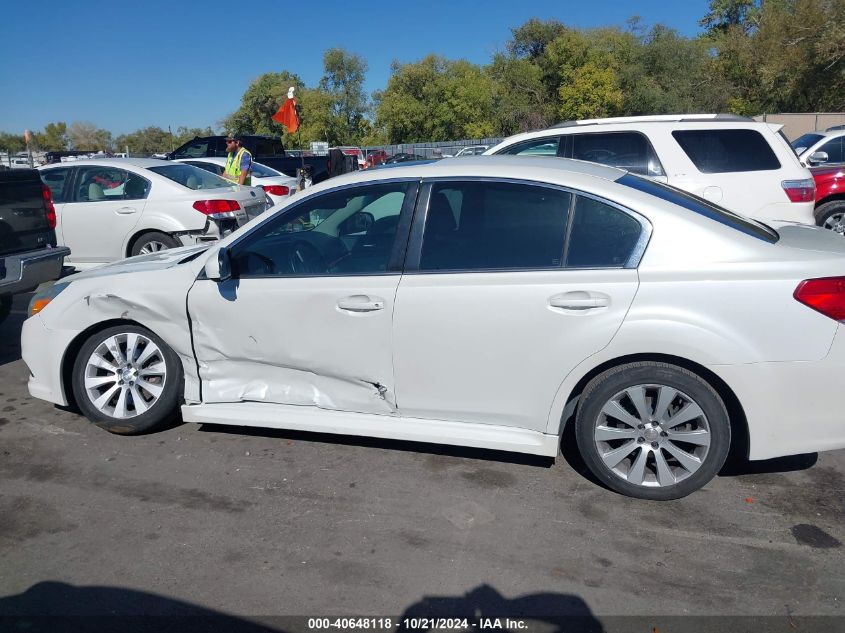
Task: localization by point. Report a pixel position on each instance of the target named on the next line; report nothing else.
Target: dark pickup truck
(28, 251)
(269, 151)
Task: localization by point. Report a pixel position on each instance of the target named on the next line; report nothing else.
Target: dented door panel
(289, 341)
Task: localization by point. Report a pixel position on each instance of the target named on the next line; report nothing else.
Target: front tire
(831, 215)
(652, 430)
(127, 380)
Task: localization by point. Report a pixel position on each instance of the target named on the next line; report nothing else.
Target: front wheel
(652, 430)
(127, 380)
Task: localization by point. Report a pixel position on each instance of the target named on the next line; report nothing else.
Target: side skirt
(300, 418)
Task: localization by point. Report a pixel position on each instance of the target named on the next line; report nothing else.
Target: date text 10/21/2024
(424, 624)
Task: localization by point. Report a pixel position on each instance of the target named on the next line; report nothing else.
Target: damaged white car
(483, 302)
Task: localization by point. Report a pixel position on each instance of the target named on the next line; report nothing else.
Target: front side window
(721, 151)
(56, 179)
(191, 177)
(833, 149)
(601, 236)
(489, 225)
(626, 150)
(99, 184)
(346, 232)
(535, 147)
(194, 149)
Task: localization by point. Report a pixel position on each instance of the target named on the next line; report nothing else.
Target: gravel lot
(259, 523)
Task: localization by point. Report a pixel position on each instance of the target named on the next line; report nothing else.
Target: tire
(153, 242)
(637, 451)
(831, 215)
(154, 380)
(5, 307)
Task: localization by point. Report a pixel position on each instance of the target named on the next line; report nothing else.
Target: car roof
(144, 163)
(658, 118)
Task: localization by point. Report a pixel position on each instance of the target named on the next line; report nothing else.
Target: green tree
(343, 81)
(148, 140)
(591, 92)
(11, 143)
(53, 138)
(531, 39)
(88, 137)
(520, 101)
(728, 14)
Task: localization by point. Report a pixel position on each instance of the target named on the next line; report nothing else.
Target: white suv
(741, 164)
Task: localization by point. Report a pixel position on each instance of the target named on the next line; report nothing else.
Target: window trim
(415, 241)
(398, 249)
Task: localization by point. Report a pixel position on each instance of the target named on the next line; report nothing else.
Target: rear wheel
(831, 215)
(127, 380)
(652, 430)
(154, 242)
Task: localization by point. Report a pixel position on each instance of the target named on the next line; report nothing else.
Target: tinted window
(535, 147)
(191, 177)
(214, 168)
(625, 150)
(804, 141)
(833, 149)
(56, 179)
(100, 184)
(195, 149)
(263, 172)
(602, 236)
(720, 151)
(339, 233)
(482, 226)
(700, 206)
(268, 147)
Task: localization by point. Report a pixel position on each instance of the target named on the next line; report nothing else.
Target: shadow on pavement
(791, 463)
(10, 330)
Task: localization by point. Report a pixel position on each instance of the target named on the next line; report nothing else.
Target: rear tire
(652, 430)
(831, 215)
(153, 242)
(127, 380)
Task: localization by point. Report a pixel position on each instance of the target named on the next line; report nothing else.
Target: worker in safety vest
(239, 162)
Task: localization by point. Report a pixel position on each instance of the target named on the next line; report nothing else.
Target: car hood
(154, 261)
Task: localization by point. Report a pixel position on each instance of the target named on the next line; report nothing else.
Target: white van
(741, 164)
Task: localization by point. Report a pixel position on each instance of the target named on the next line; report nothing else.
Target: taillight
(217, 209)
(276, 190)
(48, 205)
(825, 295)
(800, 190)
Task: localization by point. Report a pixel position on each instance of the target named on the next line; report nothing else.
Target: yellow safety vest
(233, 166)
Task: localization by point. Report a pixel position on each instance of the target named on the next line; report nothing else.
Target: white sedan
(484, 302)
(114, 208)
(276, 185)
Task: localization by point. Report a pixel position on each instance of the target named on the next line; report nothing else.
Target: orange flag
(287, 114)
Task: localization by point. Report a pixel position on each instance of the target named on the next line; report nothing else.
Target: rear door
(101, 211)
(507, 287)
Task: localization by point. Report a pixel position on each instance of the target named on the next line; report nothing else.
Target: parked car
(830, 197)
(357, 152)
(483, 302)
(275, 184)
(376, 157)
(741, 164)
(404, 157)
(114, 208)
(821, 148)
(29, 254)
(269, 151)
(472, 150)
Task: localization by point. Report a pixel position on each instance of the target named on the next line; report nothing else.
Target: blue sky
(126, 65)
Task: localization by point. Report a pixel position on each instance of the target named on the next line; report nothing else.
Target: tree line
(752, 57)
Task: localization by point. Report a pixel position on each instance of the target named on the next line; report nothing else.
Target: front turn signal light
(42, 299)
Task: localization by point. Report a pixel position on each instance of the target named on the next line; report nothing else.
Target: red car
(376, 157)
(830, 197)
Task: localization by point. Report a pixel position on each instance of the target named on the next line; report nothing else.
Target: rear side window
(214, 168)
(488, 225)
(56, 179)
(721, 151)
(191, 177)
(535, 147)
(700, 206)
(626, 150)
(263, 172)
(602, 236)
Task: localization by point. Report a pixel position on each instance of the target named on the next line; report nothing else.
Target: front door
(513, 286)
(106, 204)
(306, 318)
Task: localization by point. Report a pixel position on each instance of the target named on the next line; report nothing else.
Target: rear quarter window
(722, 151)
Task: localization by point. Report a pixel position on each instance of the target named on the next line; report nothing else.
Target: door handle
(361, 303)
(580, 300)
(125, 210)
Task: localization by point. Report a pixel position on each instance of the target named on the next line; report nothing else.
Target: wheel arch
(835, 197)
(740, 439)
(130, 243)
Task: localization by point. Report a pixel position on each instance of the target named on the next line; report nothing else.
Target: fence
(435, 149)
(796, 124)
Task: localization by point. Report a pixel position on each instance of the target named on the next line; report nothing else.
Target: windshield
(262, 171)
(701, 206)
(804, 141)
(191, 177)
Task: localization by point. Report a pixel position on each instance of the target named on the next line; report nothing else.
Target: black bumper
(25, 271)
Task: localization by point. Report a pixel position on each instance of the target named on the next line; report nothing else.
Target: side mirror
(219, 268)
(818, 157)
